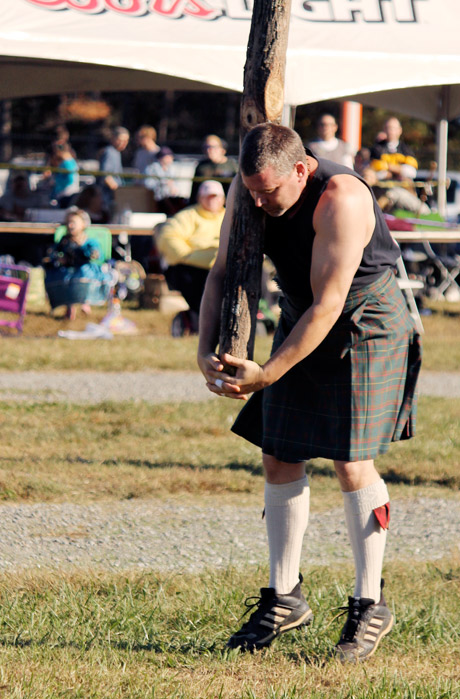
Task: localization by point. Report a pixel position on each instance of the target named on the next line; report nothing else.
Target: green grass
(96, 635)
(152, 348)
(441, 340)
(147, 635)
(56, 452)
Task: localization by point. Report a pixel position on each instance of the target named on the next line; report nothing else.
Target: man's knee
(278, 472)
(354, 475)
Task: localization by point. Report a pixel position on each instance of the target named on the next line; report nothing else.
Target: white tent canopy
(337, 48)
(399, 54)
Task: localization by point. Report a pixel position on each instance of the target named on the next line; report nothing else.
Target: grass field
(41, 349)
(92, 634)
(58, 452)
(96, 635)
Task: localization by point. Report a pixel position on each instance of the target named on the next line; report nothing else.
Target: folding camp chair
(74, 289)
(99, 233)
(443, 259)
(407, 287)
(447, 263)
(14, 280)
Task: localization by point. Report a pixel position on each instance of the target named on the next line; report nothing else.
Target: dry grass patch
(441, 340)
(153, 348)
(56, 452)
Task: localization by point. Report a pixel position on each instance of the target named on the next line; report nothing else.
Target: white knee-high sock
(286, 514)
(367, 537)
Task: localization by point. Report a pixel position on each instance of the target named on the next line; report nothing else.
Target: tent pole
(442, 130)
(352, 116)
(442, 141)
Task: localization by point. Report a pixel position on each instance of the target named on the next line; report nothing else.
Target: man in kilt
(340, 382)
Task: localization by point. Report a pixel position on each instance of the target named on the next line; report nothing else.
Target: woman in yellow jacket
(188, 243)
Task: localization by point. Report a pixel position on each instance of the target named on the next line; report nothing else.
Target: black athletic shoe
(366, 625)
(274, 615)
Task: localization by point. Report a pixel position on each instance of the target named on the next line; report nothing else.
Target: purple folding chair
(14, 281)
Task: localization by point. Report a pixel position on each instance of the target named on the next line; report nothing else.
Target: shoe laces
(354, 609)
(265, 598)
(254, 602)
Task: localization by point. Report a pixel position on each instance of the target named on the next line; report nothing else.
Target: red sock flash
(382, 514)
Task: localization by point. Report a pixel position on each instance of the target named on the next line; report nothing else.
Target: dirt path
(151, 386)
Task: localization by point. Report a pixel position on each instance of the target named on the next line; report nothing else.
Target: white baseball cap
(211, 188)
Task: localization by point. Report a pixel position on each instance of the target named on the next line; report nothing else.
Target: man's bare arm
(343, 222)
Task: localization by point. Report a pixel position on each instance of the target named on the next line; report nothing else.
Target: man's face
(214, 150)
(120, 142)
(274, 193)
(327, 128)
(212, 202)
(393, 129)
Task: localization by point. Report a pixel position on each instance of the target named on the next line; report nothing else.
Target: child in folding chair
(73, 275)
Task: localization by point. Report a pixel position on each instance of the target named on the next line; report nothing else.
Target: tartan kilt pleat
(354, 395)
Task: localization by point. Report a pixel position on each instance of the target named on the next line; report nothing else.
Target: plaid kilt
(354, 395)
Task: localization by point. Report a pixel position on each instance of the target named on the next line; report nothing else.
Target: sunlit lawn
(95, 635)
(152, 348)
(54, 452)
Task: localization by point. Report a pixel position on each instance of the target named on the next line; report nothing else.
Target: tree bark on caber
(262, 100)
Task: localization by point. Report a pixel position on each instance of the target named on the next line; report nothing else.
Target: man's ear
(301, 170)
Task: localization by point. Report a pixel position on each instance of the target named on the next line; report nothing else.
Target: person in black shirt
(340, 383)
(215, 166)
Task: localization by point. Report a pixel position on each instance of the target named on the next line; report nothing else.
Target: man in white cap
(188, 243)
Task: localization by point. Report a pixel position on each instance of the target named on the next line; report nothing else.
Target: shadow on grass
(160, 646)
(167, 644)
(254, 469)
(392, 476)
(313, 469)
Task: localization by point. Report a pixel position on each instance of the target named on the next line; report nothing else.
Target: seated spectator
(73, 274)
(188, 243)
(64, 184)
(146, 154)
(90, 200)
(110, 161)
(61, 137)
(215, 164)
(327, 145)
(17, 199)
(162, 181)
(393, 162)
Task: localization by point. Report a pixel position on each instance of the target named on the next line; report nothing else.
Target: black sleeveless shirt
(289, 240)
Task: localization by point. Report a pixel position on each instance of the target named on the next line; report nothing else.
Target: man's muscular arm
(343, 222)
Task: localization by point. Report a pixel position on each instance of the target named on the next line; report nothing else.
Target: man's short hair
(120, 131)
(220, 141)
(325, 114)
(147, 132)
(271, 145)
